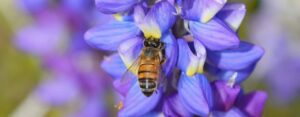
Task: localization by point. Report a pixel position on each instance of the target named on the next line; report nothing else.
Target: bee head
(154, 43)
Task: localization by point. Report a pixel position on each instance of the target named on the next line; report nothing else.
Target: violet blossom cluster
(206, 62)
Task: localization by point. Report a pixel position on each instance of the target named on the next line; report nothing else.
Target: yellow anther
(118, 17)
(119, 106)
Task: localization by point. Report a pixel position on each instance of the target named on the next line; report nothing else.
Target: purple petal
(226, 75)
(158, 20)
(130, 50)
(77, 6)
(139, 13)
(59, 64)
(208, 93)
(236, 59)
(225, 95)
(40, 39)
(233, 112)
(215, 34)
(33, 6)
(51, 91)
(94, 83)
(100, 18)
(188, 61)
(114, 6)
(114, 66)
(242, 75)
(170, 51)
(173, 107)
(111, 35)
(253, 104)
(152, 114)
(201, 10)
(233, 14)
(137, 104)
(201, 54)
(92, 107)
(283, 79)
(192, 94)
(122, 87)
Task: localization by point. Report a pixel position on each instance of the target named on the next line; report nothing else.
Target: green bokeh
(19, 73)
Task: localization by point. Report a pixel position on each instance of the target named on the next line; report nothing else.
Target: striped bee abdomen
(148, 75)
(148, 86)
(148, 71)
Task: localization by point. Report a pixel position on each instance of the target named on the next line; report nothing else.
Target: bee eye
(146, 44)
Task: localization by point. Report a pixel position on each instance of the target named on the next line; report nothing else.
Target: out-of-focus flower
(33, 6)
(210, 38)
(72, 74)
(32, 39)
(282, 79)
(275, 27)
(83, 83)
(115, 6)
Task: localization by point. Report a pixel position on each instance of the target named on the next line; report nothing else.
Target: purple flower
(126, 36)
(210, 39)
(77, 6)
(200, 10)
(70, 7)
(56, 38)
(223, 25)
(242, 60)
(278, 35)
(193, 92)
(230, 101)
(289, 67)
(33, 6)
(213, 46)
(173, 107)
(32, 39)
(115, 6)
(76, 81)
(51, 91)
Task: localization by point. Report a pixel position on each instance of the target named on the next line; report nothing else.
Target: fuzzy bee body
(149, 70)
(147, 67)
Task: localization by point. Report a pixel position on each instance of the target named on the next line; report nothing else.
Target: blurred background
(33, 71)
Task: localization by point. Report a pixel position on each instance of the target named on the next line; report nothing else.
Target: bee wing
(161, 77)
(130, 75)
(162, 80)
(130, 53)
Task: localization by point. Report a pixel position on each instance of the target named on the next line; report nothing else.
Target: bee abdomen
(148, 71)
(148, 86)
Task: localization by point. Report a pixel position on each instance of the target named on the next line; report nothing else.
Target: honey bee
(148, 65)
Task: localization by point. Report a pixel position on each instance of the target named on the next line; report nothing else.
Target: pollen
(192, 69)
(119, 106)
(118, 17)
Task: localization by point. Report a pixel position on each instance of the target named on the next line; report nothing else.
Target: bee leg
(163, 61)
(163, 56)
